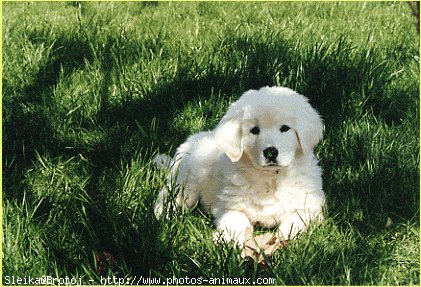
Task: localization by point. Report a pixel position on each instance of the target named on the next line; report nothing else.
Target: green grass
(92, 91)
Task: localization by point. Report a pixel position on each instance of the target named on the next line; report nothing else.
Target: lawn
(93, 90)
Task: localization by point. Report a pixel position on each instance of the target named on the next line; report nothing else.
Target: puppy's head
(269, 126)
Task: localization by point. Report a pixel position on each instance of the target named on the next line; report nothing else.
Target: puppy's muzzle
(270, 154)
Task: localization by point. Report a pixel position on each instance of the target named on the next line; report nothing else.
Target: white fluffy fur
(226, 171)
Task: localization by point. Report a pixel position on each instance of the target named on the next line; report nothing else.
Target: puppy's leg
(186, 197)
(160, 202)
(232, 226)
(298, 222)
(291, 226)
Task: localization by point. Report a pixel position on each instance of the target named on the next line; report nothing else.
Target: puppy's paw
(232, 226)
(158, 210)
(162, 161)
(222, 236)
(291, 227)
(166, 210)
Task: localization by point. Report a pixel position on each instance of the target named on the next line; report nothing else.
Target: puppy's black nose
(270, 154)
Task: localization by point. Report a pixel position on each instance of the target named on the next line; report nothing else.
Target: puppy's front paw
(232, 226)
(225, 236)
(291, 227)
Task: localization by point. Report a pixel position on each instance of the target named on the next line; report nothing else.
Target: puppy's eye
(255, 130)
(284, 128)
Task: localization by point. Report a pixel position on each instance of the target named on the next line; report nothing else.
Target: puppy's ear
(228, 136)
(309, 127)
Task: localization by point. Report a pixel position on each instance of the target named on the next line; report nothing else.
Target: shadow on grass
(27, 127)
(328, 75)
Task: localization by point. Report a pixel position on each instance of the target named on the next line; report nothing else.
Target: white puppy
(256, 168)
